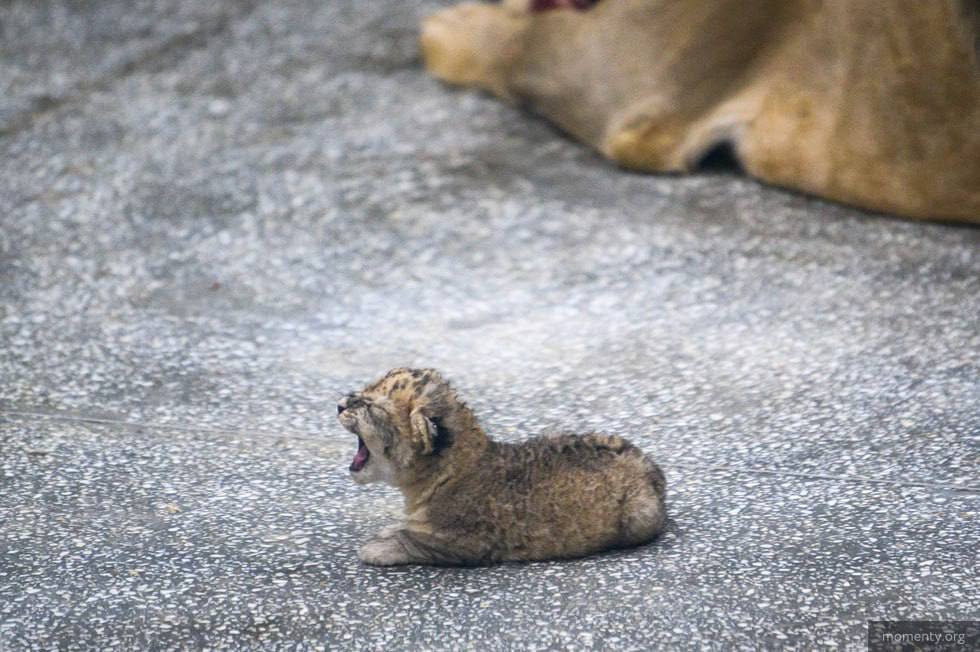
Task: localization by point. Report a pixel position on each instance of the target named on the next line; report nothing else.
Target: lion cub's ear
(423, 431)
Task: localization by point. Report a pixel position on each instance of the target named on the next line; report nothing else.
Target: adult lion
(874, 103)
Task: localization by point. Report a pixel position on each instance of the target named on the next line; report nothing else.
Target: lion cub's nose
(342, 405)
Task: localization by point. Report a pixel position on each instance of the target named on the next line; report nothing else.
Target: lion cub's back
(571, 495)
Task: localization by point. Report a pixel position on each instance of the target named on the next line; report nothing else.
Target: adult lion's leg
(474, 44)
(874, 103)
(551, 61)
(631, 78)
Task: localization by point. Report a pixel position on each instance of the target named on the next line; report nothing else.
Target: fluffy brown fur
(870, 102)
(470, 500)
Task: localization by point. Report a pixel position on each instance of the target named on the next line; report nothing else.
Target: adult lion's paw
(472, 45)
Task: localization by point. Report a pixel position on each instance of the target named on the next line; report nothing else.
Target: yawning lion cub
(870, 102)
(471, 500)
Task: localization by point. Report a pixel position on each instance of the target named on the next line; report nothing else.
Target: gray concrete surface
(217, 217)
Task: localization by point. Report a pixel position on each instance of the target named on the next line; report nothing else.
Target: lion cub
(471, 500)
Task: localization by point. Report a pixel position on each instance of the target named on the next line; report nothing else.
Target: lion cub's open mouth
(361, 457)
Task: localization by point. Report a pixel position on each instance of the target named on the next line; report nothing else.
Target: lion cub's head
(401, 424)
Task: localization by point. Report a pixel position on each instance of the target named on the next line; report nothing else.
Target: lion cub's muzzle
(348, 402)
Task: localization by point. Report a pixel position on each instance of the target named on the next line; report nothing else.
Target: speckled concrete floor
(216, 217)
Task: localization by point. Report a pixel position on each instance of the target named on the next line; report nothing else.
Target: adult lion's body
(875, 103)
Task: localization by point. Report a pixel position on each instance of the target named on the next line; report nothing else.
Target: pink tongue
(361, 458)
(545, 5)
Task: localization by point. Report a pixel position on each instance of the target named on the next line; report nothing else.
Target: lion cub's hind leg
(643, 519)
(644, 514)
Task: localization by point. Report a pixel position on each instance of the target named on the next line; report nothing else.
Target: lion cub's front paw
(383, 552)
(472, 45)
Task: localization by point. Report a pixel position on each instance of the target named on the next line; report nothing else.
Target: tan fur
(870, 102)
(471, 500)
